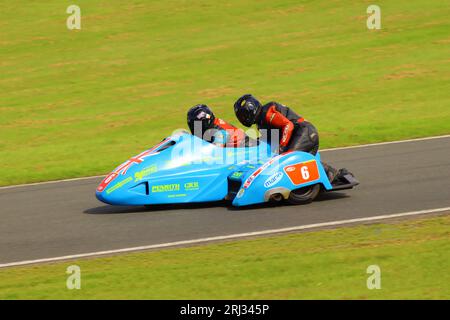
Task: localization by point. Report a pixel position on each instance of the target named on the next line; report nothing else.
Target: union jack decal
(123, 168)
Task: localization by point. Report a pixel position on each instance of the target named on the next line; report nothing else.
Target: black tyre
(304, 195)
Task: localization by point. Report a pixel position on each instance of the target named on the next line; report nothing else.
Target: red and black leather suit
(203, 123)
(294, 132)
(235, 137)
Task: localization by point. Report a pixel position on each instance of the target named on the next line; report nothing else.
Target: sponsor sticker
(138, 176)
(191, 186)
(273, 179)
(237, 174)
(177, 195)
(240, 193)
(108, 179)
(166, 188)
(119, 185)
(262, 168)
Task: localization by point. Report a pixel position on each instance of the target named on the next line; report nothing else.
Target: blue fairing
(274, 178)
(184, 169)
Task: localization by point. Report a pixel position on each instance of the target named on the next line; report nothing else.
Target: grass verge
(413, 256)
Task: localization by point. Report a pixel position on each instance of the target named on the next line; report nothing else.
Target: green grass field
(413, 257)
(77, 103)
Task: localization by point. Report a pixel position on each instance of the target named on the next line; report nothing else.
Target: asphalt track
(64, 218)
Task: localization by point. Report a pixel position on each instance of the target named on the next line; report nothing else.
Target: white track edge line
(386, 143)
(227, 237)
(323, 150)
(51, 182)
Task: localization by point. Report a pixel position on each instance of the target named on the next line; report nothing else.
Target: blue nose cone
(113, 193)
(111, 198)
(102, 197)
(124, 192)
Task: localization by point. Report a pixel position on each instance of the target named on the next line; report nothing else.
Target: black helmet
(203, 114)
(247, 109)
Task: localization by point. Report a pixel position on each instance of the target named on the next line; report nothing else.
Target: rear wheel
(304, 195)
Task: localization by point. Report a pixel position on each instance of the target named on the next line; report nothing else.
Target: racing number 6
(305, 172)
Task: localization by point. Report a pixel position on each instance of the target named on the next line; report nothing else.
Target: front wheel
(304, 195)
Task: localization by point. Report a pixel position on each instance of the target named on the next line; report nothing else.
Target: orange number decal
(302, 172)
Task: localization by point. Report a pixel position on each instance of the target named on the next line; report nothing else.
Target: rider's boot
(332, 173)
(342, 172)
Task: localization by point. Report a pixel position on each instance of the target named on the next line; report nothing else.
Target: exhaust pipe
(277, 197)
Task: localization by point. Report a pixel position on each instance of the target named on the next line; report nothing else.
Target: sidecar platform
(344, 182)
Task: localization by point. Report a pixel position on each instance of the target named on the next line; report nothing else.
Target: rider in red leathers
(294, 132)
